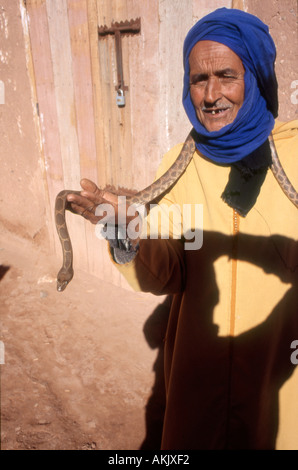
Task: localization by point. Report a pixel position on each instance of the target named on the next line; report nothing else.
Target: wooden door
(83, 133)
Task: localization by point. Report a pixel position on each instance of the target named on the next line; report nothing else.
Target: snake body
(65, 274)
(145, 196)
(148, 195)
(281, 176)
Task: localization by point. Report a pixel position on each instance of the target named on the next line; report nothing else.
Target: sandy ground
(83, 368)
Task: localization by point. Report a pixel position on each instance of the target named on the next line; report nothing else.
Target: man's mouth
(215, 111)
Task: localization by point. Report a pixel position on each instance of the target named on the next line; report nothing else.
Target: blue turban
(249, 38)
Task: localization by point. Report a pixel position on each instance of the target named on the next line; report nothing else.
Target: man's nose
(212, 90)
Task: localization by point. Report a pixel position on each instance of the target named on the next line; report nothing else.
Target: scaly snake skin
(148, 195)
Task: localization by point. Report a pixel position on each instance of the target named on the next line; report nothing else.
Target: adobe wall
(281, 17)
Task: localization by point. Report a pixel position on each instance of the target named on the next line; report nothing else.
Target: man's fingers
(78, 200)
(80, 204)
(100, 196)
(88, 185)
(88, 212)
(91, 197)
(96, 195)
(91, 191)
(75, 208)
(88, 202)
(110, 197)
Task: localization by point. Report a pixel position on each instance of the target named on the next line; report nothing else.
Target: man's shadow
(258, 359)
(155, 331)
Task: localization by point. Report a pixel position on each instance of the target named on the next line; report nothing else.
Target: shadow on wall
(240, 376)
(155, 331)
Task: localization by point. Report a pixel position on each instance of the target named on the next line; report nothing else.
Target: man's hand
(91, 196)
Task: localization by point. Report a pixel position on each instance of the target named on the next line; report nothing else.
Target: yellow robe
(230, 372)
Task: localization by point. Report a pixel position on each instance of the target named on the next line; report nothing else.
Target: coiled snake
(149, 194)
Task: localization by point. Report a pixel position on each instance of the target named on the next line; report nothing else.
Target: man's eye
(228, 78)
(198, 81)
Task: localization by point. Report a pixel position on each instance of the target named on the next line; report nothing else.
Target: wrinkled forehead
(209, 54)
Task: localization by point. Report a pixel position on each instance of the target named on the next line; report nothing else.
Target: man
(230, 371)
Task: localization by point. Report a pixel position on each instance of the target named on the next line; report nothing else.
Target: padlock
(120, 99)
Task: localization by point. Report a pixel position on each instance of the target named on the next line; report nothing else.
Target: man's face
(216, 84)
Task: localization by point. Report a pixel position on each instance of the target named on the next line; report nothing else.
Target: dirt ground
(83, 368)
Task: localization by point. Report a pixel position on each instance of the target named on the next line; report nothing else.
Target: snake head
(61, 285)
(63, 279)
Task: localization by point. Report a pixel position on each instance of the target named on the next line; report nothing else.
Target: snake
(149, 194)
